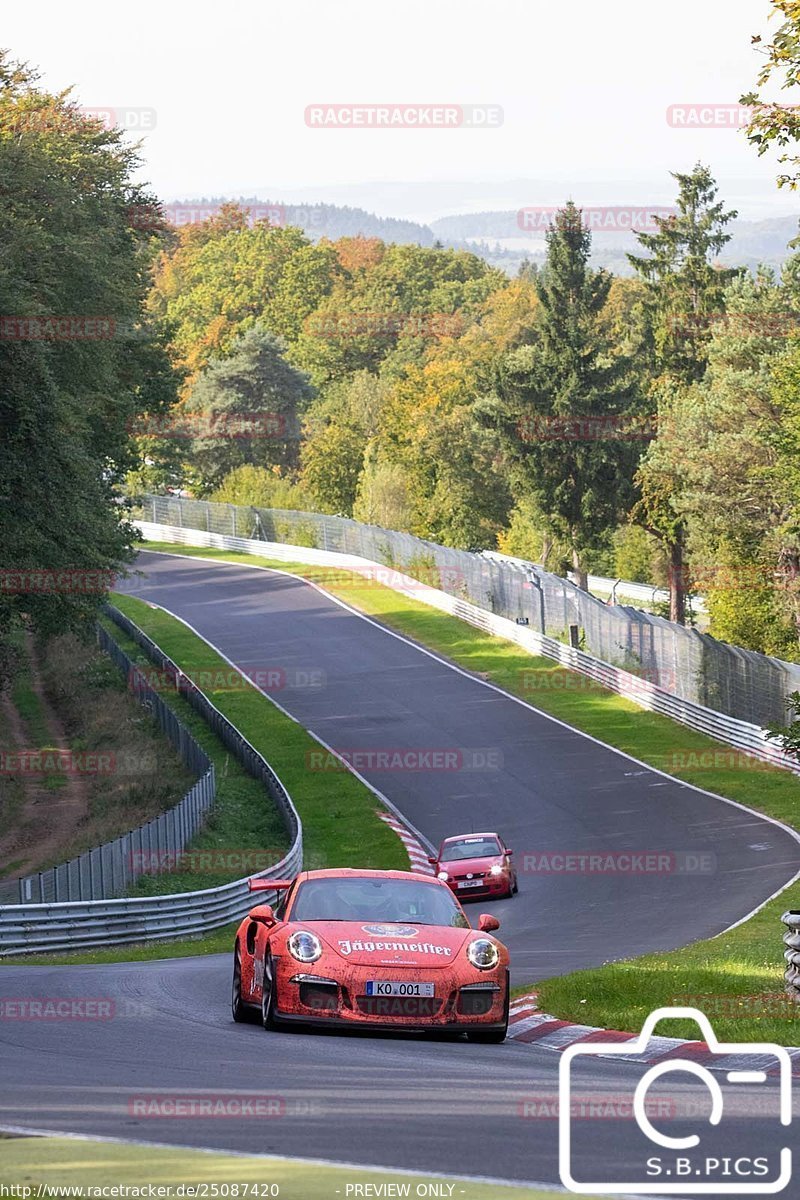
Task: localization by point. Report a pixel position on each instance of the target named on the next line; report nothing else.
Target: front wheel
(268, 995)
(236, 1005)
(242, 1013)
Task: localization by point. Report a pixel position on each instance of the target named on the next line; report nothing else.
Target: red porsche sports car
(378, 949)
(476, 864)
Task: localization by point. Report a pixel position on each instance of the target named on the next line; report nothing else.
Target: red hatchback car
(476, 864)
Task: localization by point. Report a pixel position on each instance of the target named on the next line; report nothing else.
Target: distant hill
(753, 242)
(495, 235)
(316, 220)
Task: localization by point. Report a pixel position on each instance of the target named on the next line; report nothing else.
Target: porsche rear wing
(269, 885)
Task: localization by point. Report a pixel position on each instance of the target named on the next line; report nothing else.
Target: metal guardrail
(81, 924)
(743, 735)
(647, 593)
(691, 665)
(110, 870)
(791, 940)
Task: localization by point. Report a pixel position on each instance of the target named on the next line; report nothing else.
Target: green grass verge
(736, 980)
(743, 970)
(62, 1162)
(340, 825)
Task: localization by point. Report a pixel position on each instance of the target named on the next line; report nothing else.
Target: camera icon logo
(676, 1170)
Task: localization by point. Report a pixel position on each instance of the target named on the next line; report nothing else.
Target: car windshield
(477, 847)
(384, 900)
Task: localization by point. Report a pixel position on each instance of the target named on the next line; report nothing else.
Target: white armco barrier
(742, 735)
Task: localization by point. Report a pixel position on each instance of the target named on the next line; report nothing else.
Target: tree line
(644, 426)
(641, 426)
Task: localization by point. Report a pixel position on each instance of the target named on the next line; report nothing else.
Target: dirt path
(47, 816)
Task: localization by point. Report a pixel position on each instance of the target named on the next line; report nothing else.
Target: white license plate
(465, 883)
(392, 987)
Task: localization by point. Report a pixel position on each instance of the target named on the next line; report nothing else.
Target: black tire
(494, 1036)
(242, 1013)
(268, 997)
(236, 1002)
(515, 888)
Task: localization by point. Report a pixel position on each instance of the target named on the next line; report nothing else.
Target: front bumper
(463, 1001)
(491, 887)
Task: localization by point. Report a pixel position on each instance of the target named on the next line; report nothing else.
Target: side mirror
(263, 914)
(433, 861)
(487, 923)
(508, 850)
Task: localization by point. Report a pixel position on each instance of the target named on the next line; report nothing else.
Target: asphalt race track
(435, 1105)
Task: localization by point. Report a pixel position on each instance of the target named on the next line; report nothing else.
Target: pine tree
(685, 290)
(568, 411)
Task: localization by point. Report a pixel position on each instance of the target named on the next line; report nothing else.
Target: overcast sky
(584, 87)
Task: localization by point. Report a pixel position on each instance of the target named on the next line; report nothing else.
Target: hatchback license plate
(465, 883)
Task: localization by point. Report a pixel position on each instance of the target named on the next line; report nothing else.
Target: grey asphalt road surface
(402, 1101)
(432, 1104)
(548, 790)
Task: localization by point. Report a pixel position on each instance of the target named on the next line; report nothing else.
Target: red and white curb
(527, 1024)
(417, 854)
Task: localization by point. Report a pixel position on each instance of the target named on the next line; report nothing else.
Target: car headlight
(483, 954)
(304, 946)
(443, 875)
(496, 869)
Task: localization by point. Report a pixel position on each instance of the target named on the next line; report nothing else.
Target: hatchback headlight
(304, 946)
(496, 869)
(442, 875)
(483, 954)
